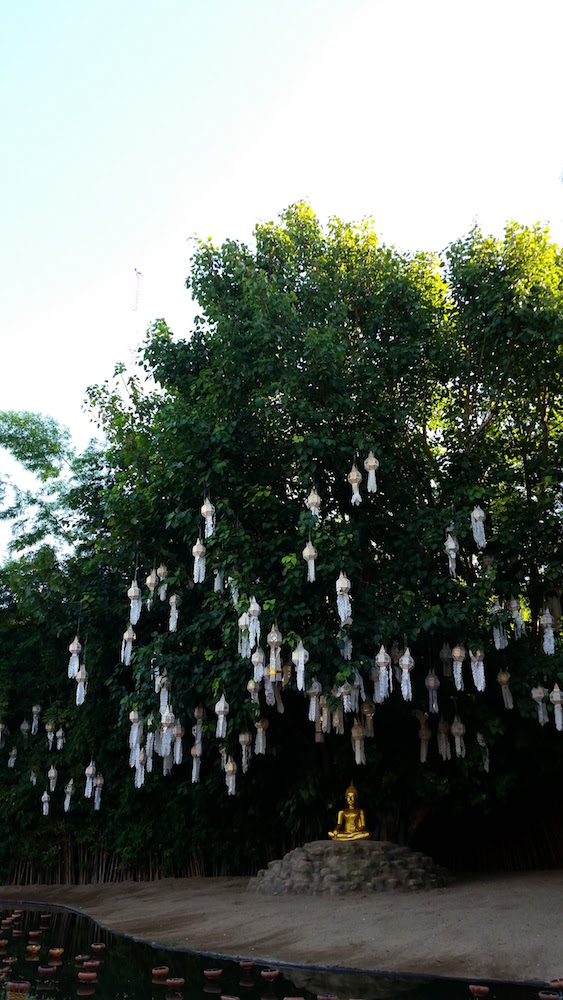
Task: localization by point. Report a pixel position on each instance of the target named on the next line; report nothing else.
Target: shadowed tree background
(312, 348)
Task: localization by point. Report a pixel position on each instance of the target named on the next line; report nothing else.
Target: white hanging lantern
(556, 699)
(254, 610)
(35, 713)
(4, 733)
(232, 584)
(514, 607)
(458, 656)
(81, 685)
(500, 637)
(503, 677)
(313, 502)
(33, 778)
(355, 478)
(196, 763)
(343, 587)
(164, 686)
(12, 757)
(61, 738)
(478, 527)
(244, 648)
(173, 601)
(478, 668)
(345, 643)
(424, 735)
(546, 621)
(338, 719)
(45, 799)
(432, 684)
(178, 732)
(135, 597)
(258, 660)
(52, 775)
(358, 691)
(140, 767)
(135, 735)
(444, 748)
(368, 714)
(384, 676)
(313, 695)
(260, 742)
(406, 664)
(166, 736)
(50, 731)
(310, 554)
(127, 645)
(208, 515)
(151, 582)
(300, 657)
(221, 711)
(198, 552)
(253, 688)
(485, 749)
(446, 658)
(451, 548)
(75, 650)
(345, 693)
(149, 744)
(69, 792)
(245, 741)
(218, 581)
(358, 747)
(539, 694)
(90, 773)
(325, 714)
(231, 776)
(98, 785)
(274, 640)
(371, 465)
(457, 730)
(162, 574)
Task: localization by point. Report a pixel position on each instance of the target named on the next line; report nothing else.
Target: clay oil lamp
(269, 974)
(246, 964)
(91, 965)
(225, 996)
(159, 974)
(97, 946)
(479, 991)
(174, 984)
(47, 971)
(11, 960)
(17, 932)
(56, 955)
(34, 935)
(548, 995)
(3, 944)
(556, 984)
(80, 959)
(212, 973)
(212, 988)
(85, 991)
(16, 991)
(87, 977)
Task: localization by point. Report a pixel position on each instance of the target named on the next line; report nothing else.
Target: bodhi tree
(360, 450)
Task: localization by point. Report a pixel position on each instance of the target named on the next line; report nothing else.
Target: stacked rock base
(336, 868)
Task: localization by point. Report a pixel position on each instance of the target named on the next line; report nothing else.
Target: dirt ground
(493, 927)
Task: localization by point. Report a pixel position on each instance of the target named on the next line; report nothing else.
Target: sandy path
(494, 927)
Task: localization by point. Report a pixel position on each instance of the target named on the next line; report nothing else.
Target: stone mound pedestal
(335, 868)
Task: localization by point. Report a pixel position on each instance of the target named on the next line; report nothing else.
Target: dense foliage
(312, 349)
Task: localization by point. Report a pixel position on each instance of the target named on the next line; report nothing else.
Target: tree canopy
(313, 348)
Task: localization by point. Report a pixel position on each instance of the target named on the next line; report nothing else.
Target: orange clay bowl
(269, 974)
(175, 984)
(160, 972)
(35, 934)
(246, 964)
(85, 991)
(212, 973)
(79, 959)
(479, 991)
(56, 952)
(91, 965)
(97, 946)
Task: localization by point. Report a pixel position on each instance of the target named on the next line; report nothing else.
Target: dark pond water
(125, 969)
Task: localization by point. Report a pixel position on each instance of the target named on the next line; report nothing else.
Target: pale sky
(129, 126)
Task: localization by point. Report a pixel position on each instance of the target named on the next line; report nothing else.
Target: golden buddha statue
(351, 822)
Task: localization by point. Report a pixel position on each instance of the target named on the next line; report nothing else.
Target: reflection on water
(94, 962)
